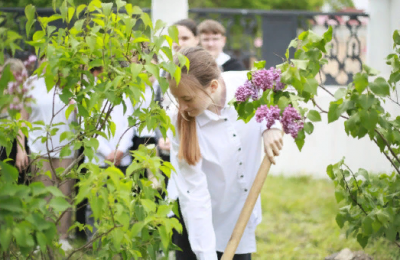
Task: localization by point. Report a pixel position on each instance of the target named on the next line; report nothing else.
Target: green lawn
(299, 222)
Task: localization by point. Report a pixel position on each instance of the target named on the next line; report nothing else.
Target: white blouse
(42, 110)
(106, 146)
(212, 193)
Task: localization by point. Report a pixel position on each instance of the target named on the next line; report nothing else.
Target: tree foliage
(370, 204)
(129, 220)
(311, 5)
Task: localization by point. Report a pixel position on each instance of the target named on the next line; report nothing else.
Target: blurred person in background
(213, 39)
(188, 36)
(19, 152)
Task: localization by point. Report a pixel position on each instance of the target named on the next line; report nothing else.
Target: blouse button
(245, 190)
(226, 119)
(240, 149)
(240, 163)
(187, 191)
(234, 135)
(241, 176)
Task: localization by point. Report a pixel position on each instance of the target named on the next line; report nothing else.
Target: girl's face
(186, 37)
(193, 100)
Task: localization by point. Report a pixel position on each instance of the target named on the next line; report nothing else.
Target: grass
(299, 222)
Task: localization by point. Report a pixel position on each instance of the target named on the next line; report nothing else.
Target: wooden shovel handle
(247, 210)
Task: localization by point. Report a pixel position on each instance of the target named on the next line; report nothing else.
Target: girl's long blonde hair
(203, 69)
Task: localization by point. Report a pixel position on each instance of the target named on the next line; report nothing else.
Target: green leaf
(137, 228)
(78, 24)
(135, 69)
(301, 64)
(41, 239)
(6, 76)
(329, 171)
(391, 233)
(91, 42)
(82, 111)
(339, 195)
(260, 64)
(177, 75)
(309, 128)
(369, 119)
(328, 34)
(5, 238)
(370, 71)
(69, 110)
(340, 220)
(314, 116)
(283, 102)
(366, 101)
(64, 11)
(153, 69)
(380, 87)
(106, 8)
(383, 217)
(71, 11)
(22, 237)
(360, 82)
(59, 204)
(396, 37)
(113, 127)
(173, 33)
(333, 113)
(300, 139)
(164, 236)
(30, 15)
(117, 235)
(65, 151)
(12, 204)
(8, 172)
(146, 20)
(362, 240)
(376, 225)
(367, 225)
(340, 93)
(56, 192)
(311, 86)
(148, 205)
(79, 9)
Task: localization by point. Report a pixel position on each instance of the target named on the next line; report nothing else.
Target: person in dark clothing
(213, 39)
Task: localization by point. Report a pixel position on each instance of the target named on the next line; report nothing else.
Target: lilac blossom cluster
(291, 120)
(30, 62)
(261, 80)
(19, 88)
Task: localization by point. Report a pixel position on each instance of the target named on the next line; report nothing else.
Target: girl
(216, 157)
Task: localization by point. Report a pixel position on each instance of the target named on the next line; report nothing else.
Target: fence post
(278, 31)
(380, 41)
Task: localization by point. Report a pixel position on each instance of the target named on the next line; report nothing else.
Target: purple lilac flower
(263, 79)
(279, 86)
(269, 114)
(246, 90)
(291, 121)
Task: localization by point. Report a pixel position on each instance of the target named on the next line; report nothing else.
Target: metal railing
(258, 34)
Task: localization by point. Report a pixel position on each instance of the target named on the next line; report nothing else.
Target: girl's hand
(117, 155)
(273, 143)
(21, 160)
(164, 144)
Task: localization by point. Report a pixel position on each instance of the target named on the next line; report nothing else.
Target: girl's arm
(195, 203)
(21, 160)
